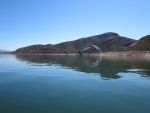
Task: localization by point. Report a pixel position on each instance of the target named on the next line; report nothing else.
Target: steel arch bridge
(89, 47)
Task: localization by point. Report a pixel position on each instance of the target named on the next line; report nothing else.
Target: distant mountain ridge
(1, 50)
(106, 42)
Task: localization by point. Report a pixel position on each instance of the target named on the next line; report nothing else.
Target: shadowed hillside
(106, 42)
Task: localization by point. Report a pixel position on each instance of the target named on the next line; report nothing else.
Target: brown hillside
(142, 44)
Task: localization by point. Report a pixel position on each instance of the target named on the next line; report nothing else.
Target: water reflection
(106, 67)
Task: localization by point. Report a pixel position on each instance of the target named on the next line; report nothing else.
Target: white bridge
(89, 47)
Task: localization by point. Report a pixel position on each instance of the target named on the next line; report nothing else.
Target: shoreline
(128, 53)
(119, 53)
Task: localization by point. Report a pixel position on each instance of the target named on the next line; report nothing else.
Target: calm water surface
(74, 84)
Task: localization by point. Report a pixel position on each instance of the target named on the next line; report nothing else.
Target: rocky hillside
(106, 42)
(142, 44)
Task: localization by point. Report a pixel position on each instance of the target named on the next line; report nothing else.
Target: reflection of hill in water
(107, 67)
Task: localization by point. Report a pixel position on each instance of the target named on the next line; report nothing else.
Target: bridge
(89, 47)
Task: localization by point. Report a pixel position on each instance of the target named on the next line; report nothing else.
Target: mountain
(106, 42)
(142, 44)
(1, 51)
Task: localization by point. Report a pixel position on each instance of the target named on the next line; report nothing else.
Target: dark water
(74, 84)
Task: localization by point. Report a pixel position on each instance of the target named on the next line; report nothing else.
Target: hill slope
(106, 42)
(142, 44)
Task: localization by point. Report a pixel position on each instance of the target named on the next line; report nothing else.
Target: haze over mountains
(1, 50)
(106, 42)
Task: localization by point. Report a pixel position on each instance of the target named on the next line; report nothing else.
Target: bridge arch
(89, 47)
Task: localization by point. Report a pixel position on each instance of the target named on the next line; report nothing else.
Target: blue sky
(28, 22)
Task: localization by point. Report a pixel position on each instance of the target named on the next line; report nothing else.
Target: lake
(74, 84)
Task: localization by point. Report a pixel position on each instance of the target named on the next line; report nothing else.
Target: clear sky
(28, 22)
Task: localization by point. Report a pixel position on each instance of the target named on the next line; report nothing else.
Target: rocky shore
(127, 53)
(119, 53)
